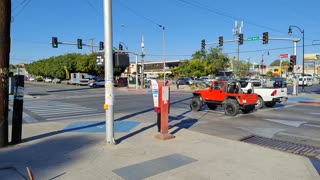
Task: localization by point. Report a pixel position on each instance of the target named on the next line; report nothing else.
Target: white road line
(64, 112)
(287, 122)
(298, 136)
(315, 113)
(57, 109)
(70, 117)
(312, 125)
(285, 106)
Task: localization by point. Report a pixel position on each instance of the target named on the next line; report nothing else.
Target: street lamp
(302, 31)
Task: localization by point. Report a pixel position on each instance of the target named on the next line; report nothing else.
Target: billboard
(312, 57)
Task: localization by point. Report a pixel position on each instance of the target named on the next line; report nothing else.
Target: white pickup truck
(268, 96)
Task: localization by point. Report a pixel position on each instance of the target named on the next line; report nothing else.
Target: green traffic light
(54, 42)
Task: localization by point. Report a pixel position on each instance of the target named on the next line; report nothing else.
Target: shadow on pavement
(47, 159)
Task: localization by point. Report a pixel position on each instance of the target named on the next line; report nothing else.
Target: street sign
(297, 69)
(284, 56)
(254, 38)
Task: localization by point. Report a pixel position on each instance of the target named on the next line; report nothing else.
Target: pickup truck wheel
(260, 103)
(212, 106)
(270, 104)
(231, 108)
(196, 104)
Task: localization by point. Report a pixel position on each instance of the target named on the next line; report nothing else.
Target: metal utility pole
(5, 17)
(92, 39)
(236, 32)
(142, 63)
(108, 69)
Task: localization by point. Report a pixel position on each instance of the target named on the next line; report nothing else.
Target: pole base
(164, 136)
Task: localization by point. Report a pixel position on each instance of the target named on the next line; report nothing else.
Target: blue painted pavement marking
(300, 99)
(315, 163)
(100, 126)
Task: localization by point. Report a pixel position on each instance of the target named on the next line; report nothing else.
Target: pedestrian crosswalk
(54, 110)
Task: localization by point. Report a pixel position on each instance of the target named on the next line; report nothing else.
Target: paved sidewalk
(53, 152)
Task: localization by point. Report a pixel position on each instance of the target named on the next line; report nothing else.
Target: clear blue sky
(187, 22)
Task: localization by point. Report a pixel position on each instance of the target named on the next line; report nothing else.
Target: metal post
(92, 39)
(137, 84)
(5, 18)
(302, 60)
(142, 63)
(164, 53)
(302, 31)
(17, 110)
(109, 96)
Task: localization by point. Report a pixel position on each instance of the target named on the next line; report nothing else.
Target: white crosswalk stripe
(53, 110)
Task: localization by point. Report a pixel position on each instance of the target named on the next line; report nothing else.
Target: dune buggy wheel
(196, 104)
(231, 107)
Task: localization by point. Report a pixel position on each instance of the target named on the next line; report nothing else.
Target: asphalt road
(291, 121)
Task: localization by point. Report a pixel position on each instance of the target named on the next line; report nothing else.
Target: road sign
(297, 69)
(254, 38)
(284, 56)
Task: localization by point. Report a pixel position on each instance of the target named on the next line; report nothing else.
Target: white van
(307, 81)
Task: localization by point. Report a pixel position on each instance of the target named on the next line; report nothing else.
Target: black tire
(248, 109)
(196, 104)
(260, 103)
(212, 106)
(231, 107)
(270, 104)
(94, 85)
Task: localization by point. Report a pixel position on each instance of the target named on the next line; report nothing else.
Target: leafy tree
(269, 74)
(202, 63)
(275, 63)
(242, 68)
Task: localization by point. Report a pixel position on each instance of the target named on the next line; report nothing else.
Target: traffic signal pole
(5, 18)
(108, 69)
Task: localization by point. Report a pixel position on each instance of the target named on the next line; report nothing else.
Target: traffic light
(240, 39)
(79, 43)
(203, 44)
(54, 42)
(101, 45)
(121, 59)
(221, 41)
(293, 59)
(265, 38)
(120, 47)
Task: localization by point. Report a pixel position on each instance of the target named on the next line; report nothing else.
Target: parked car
(280, 83)
(48, 80)
(97, 83)
(121, 82)
(184, 81)
(32, 79)
(39, 79)
(306, 80)
(56, 80)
